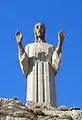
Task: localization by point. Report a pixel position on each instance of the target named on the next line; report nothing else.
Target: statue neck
(39, 39)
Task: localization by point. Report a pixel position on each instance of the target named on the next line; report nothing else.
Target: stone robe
(40, 63)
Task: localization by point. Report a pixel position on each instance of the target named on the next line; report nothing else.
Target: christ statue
(40, 62)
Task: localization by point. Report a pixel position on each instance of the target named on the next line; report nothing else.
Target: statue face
(39, 29)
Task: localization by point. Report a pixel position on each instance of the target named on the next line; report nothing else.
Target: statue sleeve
(56, 60)
(24, 63)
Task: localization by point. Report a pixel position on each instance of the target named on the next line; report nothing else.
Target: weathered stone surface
(13, 109)
(63, 108)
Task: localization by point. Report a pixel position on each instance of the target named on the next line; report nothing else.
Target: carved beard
(42, 38)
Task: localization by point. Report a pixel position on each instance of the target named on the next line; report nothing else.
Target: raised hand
(19, 37)
(61, 36)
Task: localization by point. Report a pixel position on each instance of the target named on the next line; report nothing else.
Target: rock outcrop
(13, 109)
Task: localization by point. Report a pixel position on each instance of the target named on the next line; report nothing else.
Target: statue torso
(40, 51)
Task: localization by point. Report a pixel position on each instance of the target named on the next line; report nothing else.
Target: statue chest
(40, 52)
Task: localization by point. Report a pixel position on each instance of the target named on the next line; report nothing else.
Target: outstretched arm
(61, 36)
(23, 58)
(19, 38)
(56, 57)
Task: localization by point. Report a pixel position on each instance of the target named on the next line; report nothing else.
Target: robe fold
(40, 63)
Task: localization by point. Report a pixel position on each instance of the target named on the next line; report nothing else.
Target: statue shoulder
(52, 46)
(29, 45)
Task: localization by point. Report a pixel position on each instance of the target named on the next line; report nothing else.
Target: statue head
(39, 32)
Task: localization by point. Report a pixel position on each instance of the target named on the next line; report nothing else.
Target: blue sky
(55, 14)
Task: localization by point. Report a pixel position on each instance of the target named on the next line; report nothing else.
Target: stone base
(13, 109)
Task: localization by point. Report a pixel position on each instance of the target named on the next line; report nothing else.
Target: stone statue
(39, 62)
